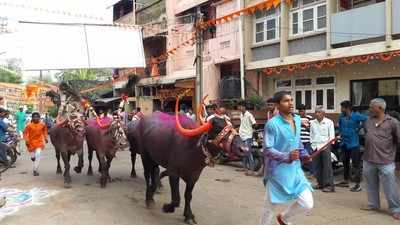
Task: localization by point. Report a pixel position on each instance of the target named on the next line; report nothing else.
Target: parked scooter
(12, 139)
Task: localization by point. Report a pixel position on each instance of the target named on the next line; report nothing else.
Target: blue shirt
(349, 127)
(3, 130)
(285, 181)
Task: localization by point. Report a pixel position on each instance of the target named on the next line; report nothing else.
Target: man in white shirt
(247, 124)
(322, 131)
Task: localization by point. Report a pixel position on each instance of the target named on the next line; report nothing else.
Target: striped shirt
(305, 130)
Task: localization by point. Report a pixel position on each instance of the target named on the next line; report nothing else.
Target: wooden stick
(323, 148)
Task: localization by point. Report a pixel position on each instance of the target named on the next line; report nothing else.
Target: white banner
(77, 46)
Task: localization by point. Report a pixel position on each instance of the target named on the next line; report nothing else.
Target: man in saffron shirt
(35, 135)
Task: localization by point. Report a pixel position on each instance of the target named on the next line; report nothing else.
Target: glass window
(271, 12)
(363, 91)
(320, 97)
(325, 80)
(298, 98)
(271, 29)
(330, 99)
(308, 20)
(303, 82)
(321, 16)
(306, 2)
(308, 96)
(295, 23)
(295, 4)
(283, 83)
(260, 32)
(259, 14)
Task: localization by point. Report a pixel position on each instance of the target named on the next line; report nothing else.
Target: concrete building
(168, 24)
(325, 51)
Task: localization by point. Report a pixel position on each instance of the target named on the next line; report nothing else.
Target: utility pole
(199, 57)
(40, 92)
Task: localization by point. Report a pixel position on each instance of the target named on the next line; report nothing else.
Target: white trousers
(36, 155)
(304, 203)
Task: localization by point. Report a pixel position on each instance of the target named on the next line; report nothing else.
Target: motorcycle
(256, 152)
(11, 140)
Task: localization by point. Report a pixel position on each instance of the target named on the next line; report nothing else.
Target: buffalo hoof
(150, 204)
(78, 169)
(168, 208)
(90, 172)
(67, 185)
(103, 183)
(133, 175)
(190, 221)
(59, 171)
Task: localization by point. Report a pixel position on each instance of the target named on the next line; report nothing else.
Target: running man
(285, 180)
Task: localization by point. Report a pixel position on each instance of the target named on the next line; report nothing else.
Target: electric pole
(199, 57)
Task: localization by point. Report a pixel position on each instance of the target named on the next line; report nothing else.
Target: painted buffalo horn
(192, 132)
(200, 110)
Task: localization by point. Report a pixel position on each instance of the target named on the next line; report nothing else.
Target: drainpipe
(240, 4)
(388, 5)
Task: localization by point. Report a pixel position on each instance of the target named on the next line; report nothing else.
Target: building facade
(325, 51)
(168, 24)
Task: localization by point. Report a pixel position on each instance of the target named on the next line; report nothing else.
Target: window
(307, 17)
(266, 25)
(311, 91)
(363, 91)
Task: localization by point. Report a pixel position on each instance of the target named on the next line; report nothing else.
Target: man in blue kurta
(20, 118)
(285, 180)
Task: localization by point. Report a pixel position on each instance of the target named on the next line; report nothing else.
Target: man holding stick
(285, 180)
(322, 131)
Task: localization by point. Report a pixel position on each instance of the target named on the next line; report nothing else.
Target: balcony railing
(358, 24)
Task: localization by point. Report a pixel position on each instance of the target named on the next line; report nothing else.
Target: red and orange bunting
(384, 56)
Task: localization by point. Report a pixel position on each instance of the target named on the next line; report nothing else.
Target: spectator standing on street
(322, 130)
(247, 124)
(191, 114)
(20, 118)
(305, 133)
(271, 112)
(349, 125)
(381, 140)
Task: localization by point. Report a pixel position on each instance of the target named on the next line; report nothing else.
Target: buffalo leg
(133, 160)
(109, 160)
(90, 158)
(187, 213)
(58, 156)
(103, 169)
(175, 197)
(67, 177)
(151, 172)
(78, 168)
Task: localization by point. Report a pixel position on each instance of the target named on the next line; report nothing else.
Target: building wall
(265, 52)
(396, 16)
(343, 75)
(309, 44)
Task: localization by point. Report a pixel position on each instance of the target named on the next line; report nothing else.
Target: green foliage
(256, 101)
(9, 76)
(53, 111)
(82, 74)
(30, 107)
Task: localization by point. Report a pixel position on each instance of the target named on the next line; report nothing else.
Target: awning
(106, 100)
(186, 83)
(169, 79)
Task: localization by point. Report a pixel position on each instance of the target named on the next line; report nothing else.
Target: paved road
(223, 196)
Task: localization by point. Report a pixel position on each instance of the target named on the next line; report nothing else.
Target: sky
(63, 11)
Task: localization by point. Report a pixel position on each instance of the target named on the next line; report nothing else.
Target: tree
(82, 74)
(9, 76)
